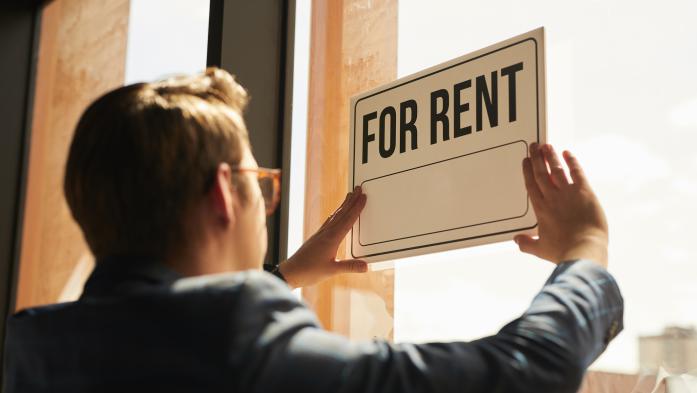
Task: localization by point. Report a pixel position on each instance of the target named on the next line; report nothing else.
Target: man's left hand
(316, 261)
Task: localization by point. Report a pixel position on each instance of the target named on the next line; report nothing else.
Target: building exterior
(675, 350)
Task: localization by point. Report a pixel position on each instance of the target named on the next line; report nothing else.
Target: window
(620, 94)
(301, 57)
(85, 50)
(166, 38)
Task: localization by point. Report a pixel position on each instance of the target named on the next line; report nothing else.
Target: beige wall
(82, 53)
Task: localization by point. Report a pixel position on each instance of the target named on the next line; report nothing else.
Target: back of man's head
(143, 155)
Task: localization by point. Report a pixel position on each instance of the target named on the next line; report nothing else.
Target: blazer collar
(122, 275)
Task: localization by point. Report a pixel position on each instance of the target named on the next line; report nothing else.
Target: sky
(621, 95)
(165, 38)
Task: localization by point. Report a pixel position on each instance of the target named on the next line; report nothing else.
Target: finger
(557, 170)
(349, 195)
(530, 184)
(575, 170)
(345, 219)
(327, 221)
(351, 266)
(527, 244)
(539, 169)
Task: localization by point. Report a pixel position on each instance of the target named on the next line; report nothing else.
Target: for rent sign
(439, 153)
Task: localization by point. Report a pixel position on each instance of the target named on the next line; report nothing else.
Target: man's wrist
(591, 247)
(285, 269)
(276, 271)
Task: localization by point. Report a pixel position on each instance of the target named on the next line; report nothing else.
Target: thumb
(527, 244)
(351, 266)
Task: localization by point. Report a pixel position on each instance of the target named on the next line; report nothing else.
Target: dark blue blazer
(140, 327)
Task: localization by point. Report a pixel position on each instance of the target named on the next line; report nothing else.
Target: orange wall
(353, 49)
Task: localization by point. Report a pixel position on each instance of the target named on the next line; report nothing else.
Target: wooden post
(82, 54)
(353, 49)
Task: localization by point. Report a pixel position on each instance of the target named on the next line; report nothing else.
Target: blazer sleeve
(568, 325)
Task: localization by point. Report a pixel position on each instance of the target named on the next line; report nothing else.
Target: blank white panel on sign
(473, 200)
(439, 153)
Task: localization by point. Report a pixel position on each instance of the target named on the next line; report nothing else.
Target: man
(162, 181)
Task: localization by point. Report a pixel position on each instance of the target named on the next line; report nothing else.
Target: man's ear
(221, 196)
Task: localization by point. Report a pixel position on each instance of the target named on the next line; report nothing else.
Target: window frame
(254, 41)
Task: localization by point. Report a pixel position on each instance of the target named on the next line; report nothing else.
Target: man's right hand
(571, 222)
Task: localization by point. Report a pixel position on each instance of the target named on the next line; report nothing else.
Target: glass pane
(621, 95)
(296, 175)
(86, 47)
(352, 48)
(165, 38)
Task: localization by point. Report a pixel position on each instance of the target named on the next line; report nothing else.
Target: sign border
(527, 206)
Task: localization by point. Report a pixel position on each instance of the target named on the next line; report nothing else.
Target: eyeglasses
(270, 185)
